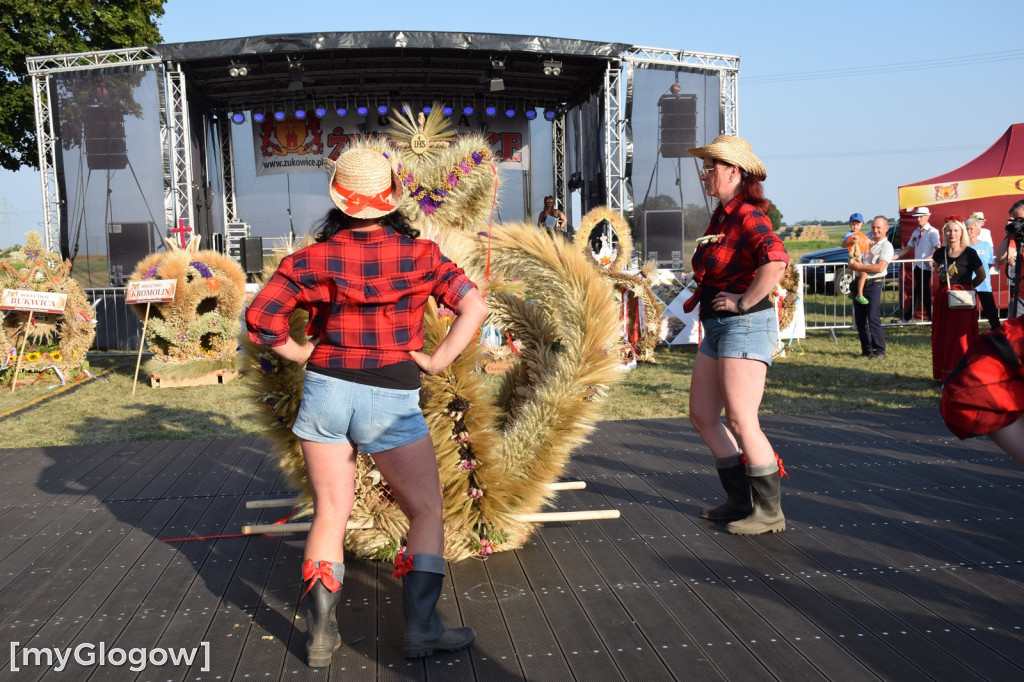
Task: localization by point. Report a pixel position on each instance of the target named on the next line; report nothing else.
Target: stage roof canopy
(392, 67)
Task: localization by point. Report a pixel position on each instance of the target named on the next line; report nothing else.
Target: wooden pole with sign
(148, 292)
(142, 342)
(21, 354)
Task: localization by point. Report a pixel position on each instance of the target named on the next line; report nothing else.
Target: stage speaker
(217, 242)
(105, 146)
(663, 234)
(678, 124)
(252, 255)
(127, 244)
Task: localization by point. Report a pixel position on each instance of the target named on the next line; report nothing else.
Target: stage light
(491, 110)
(258, 116)
(427, 110)
(341, 111)
(362, 109)
(382, 109)
(510, 113)
(279, 115)
(300, 113)
(467, 110)
(321, 111)
(549, 114)
(238, 70)
(238, 118)
(552, 67)
(447, 110)
(531, 114)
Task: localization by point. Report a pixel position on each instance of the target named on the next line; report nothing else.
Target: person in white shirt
(923, 242)
(873, 265)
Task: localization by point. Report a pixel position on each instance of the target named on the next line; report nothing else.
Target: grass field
(815, 375)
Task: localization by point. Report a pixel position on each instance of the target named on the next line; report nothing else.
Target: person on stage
(737, 265)
(365, 283)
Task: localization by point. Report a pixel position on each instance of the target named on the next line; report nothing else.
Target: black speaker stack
(252, 255)
(678, 124)
(105, 147)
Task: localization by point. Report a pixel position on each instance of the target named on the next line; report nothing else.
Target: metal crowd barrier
(828, 301)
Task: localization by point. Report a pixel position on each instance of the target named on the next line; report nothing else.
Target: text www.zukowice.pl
(88, 655)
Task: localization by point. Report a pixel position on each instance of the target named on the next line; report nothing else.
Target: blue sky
(843, 103)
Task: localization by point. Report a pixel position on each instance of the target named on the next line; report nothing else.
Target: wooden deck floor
(902, 560)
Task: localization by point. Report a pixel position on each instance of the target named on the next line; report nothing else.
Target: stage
(902, 560)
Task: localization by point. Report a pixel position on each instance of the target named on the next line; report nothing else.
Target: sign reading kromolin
(33, 301)
(151, 291)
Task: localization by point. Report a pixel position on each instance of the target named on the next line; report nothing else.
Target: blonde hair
(965, 239)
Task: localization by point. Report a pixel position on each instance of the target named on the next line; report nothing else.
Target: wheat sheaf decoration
(53, 343)
(498, 450)
(197, 332)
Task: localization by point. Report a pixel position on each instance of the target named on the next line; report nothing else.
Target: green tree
(775, 215)
(33, 28)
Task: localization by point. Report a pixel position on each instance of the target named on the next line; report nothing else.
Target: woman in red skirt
(959, 267)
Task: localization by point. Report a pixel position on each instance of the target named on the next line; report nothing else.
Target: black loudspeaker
(127, 244)
(217, 242)
(663, 235)
(678, 124)
(105, 146)
(252, 255)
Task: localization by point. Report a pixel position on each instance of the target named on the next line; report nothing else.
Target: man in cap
(923, 242)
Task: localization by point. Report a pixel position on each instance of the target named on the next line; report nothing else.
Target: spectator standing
(984, 251)
(872, 267)
(959, 268)
(923, 242)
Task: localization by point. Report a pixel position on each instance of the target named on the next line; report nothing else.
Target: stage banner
(298, 146)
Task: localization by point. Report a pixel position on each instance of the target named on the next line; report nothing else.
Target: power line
(877, 152)
(855, 71)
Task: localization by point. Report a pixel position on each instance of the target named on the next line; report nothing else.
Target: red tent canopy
(989, 183)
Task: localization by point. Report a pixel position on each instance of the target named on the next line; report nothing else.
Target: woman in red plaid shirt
(737, 264)
(365, 284)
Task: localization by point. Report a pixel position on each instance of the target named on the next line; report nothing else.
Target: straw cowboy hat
(364, 183)
(734, 151)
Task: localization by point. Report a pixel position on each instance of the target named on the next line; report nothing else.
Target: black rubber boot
(322, 610)
(767, 516)
(424, 631)
(737, 503)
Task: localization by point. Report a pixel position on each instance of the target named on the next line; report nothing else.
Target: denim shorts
(754, 336)
(374, 419)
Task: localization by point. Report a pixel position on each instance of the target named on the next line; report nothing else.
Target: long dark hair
(335, 221)
(753, 194)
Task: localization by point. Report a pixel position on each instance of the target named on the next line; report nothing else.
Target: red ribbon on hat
(357, 202)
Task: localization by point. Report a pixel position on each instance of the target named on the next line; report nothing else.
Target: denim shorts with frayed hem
(372, 418)
(754, 336)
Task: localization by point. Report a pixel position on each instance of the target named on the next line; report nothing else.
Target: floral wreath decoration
(592, 219)
(56, 343)
(197, 332)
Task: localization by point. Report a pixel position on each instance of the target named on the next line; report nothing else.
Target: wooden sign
(151, 291)
(33, 301)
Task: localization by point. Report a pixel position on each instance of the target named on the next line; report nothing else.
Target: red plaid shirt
(747, 243)
(365, 293)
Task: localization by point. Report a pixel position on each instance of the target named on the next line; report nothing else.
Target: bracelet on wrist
(739, 306)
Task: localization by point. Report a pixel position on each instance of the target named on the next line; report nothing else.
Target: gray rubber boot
(424, 631)
(737, 503)
(766, 489)
(322, 616)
